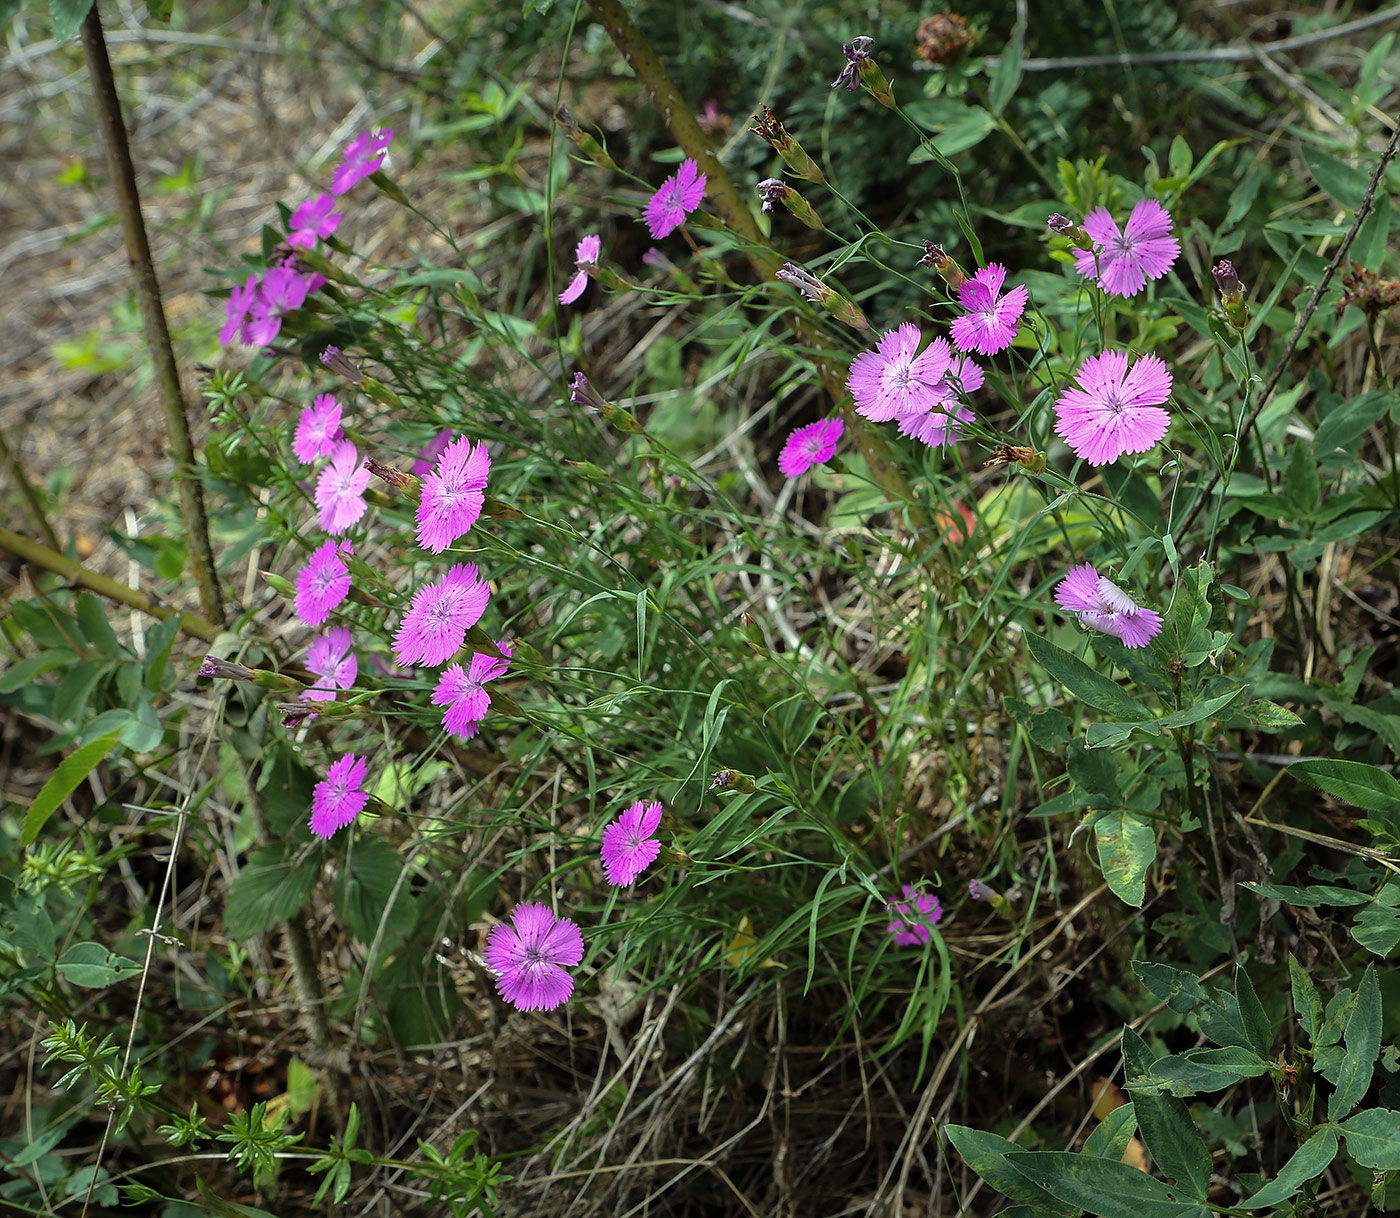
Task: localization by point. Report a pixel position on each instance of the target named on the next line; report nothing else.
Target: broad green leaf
(1127, 848)
(1008, 71)
(1355, 782)
(1165, 1124)
(274, 884)
(1188, 623)
(1344, 425)
(71, 771)
(1373, 1138)
(1199, 1070)
(1257, 1025)
(1104, 1188)
(1312, 897)
(68, 16)
(1346, 184)
(1306, 1003)
(1377, 925)
(1110, 1140)
(1268, 716)
(1363, 1038)
(93, 967)
(92, 616)
(1309, 1160)
(363, 892)
(1102, 736)
(1084, 683)
(26, 670)
(1205, 709)
(986, 1154)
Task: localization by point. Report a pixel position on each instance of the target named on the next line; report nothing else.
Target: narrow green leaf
(1309, 1160)
(71, 771)
(1205, 709)
(1312, 897)
(1127, 847)
(1008, 73)
(1257, 1025)
(1084, 683)
(1208, 1069)
(1306, 1003)
(1167, 1127)
(1363, 1038)
(1355, 782)
(1104, 1188)
(1373, 1138)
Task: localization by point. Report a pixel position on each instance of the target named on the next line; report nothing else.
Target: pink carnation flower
(943, 411)
(1102, 605)
(462, 691)
(991, 320)
(436, 623)
(1124, 261)
(318, 430)
(453, 494)
(340, 490)
(812, 445)
(530, 955)
(314, 219)
(913, 918)
(896, 378)
(236, 312)
(337, 799)
(1114, 409)
(323, 583)
(628, 845)
(585, 255)
(427, 456)
(363, 155)
(331, 659)
(680, 194)
(281, 290)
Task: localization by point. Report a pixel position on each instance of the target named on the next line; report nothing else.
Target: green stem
(147, 287)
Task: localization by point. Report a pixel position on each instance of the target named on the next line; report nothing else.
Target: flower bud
(1029, 459)
(396, 478)
(818, 292)
(775, 191)
(979, 891)
(1231, 294)
(935, 257)
(732, 780)
(753, 633)
(585, 143)
(775, 135)
(1063, 227)
(335, 360)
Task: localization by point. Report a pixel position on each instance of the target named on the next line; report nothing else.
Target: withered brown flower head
(1367, 291)
(943, 37)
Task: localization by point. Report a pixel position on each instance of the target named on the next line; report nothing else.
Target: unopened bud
(753, 633)
(1231, 294)
(229, 670)
(775, 191)
(335, 360)
(1063, 227)
(979, 891)
(585, 143)
(732, 780)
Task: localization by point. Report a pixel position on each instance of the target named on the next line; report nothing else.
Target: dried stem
(143, 274)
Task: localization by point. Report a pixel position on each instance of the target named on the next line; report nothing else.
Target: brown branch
(75, 573)
(143, 274)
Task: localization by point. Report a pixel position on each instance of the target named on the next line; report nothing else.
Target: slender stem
(143, 274)
(76, 573)
(26, 490)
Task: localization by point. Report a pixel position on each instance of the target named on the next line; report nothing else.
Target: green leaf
(986, 1154)
(1188, 622)
(26, 670)
(1268, 716)
(1344, 425)
(71, 771)
(1165, 1124)
(1363, 1037)
(1100, 736)
(275, 883)
(1354, 782)
(1306, 1003)
(1104, 1188)
(365, 888)
(1257, 1025)
(93, 967)
(1373, 1138)
(92, 616)
(1201, 710)
(1127, 848)
(1345, 184)
(1110, 1140)
(1377, 926)
(1312, 897)
(1008, 71)
(1309, 1160)
(1084, 683)
(68, 16)
(1199, 1070)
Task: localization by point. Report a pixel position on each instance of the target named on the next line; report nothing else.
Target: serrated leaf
(1103, 1187)
(93, 967)
(365, 888)
(92, 617)
(1312, 897)
(26, 670)
(1199, 1070)
(71, 771)
(1205, 709)
(1306, 1003)
(1090, 687)
(1354, 782)
(1363, 1040)
(1268, 716)
(1309, 1160)
(1377, 925)
(274, 884)
(68, 15)
(1257, 1025)
(1127, 846)
(1165, 1124)
(1114, 1134)
(1373, 1138)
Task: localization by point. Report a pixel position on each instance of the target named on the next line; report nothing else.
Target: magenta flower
(808, 446)
(331, 659)
(314, 219)
(585, 255)
(282, 289)
(363, 155)
(323, 583)
(427, 457)
(628, 845)
(436, 623)
(529, 957)
(461, 691)
(1102, 605)
(680, 194)
(939, 422)
(236, 312)
(453, 494)
(896, 378)
(1124, 261)
(318, 430)
(1114, 409)
(991, 320)
(914, 917)
(340, 490)
(337, 798)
